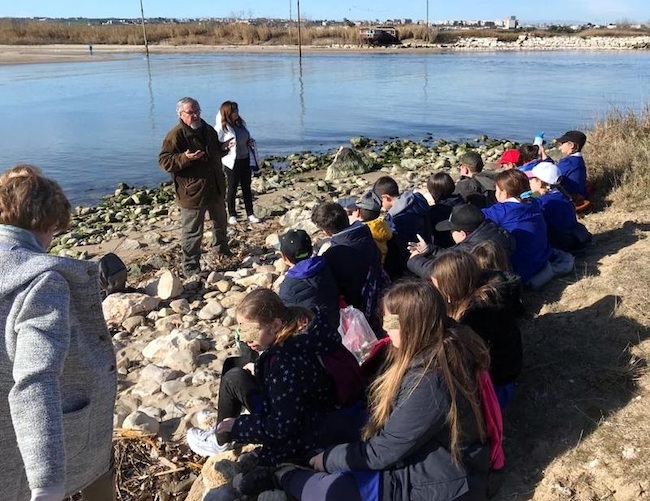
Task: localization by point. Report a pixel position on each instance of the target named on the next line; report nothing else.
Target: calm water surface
(93, 125)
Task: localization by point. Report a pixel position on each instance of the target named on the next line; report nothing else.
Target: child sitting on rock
(309, 281)
(288, 391)
(564, 230)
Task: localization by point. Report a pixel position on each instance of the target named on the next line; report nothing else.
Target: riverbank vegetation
(618, 156)
(33, 32)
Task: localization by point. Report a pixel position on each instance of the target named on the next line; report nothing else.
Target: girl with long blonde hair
(425, 438)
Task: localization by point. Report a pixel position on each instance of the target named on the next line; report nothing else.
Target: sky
(568, 11)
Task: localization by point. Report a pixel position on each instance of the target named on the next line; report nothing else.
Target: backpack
(112, 274)
(344, 370)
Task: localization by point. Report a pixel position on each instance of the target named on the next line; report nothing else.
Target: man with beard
(191, 153)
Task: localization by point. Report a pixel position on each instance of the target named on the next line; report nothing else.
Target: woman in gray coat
(57, 364)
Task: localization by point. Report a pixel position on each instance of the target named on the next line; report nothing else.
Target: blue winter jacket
(574, 174)
(310, 283)
(559, 211)
(525, 222)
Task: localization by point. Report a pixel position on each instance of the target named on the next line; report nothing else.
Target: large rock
(347, 163)
(213, 309)
(178, 351)
(259, 279)
(139, 421)
(122, 305)
(169, 286)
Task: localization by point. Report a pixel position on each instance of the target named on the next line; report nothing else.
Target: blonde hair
(264, 306)
(425, 335)
(32, 201)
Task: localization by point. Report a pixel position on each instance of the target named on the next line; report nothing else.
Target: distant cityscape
(508, 23)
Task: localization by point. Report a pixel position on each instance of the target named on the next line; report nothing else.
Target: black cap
(369, 201)
(466, 217)
(575, 136)
(296, 245)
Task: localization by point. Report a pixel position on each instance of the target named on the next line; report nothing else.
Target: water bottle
(539, 139)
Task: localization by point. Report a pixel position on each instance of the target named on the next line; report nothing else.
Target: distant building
(510, 23)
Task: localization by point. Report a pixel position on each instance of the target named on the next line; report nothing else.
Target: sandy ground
(20, 54)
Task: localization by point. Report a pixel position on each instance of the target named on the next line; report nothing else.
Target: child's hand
(317, 462)
(417, 248)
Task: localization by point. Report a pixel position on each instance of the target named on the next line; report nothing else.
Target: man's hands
(194, 155)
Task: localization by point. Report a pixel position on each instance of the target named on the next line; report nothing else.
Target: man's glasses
(192, 112)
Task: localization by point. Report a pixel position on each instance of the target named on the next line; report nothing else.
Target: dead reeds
(618, 156)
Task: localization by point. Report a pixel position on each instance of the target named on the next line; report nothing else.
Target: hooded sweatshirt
(381, 233)
(57, 370)
(409, 216)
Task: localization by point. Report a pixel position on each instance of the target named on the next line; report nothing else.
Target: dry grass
(26, 32)
(618, 156)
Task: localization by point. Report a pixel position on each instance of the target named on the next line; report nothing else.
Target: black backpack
(112, 274)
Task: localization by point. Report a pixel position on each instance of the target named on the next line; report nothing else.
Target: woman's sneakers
(232, 220)
(204, 442)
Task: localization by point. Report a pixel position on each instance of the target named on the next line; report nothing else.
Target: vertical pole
(290, 5)
(299, 34)
(144, 31)
(427, 21)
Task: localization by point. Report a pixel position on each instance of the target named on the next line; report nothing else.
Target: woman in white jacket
(239, 160)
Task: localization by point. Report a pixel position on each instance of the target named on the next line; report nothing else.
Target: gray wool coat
(57, 370)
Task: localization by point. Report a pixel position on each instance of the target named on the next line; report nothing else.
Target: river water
(92, 125)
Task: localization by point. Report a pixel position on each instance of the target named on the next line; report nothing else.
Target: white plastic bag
(357, 335)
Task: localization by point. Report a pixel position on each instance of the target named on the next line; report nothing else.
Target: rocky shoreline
(171, 336)
(17, 54)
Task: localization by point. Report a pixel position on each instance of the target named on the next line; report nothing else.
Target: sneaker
(204, 442)
(253, 218)
(232, 220)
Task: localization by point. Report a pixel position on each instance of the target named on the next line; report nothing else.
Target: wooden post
(144, 31)
(299, 34)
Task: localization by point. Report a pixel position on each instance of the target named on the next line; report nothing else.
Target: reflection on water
(95, 124)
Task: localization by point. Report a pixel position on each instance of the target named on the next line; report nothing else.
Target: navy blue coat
(310, 283)
(355, 263)
(412, 449)
(297, 393)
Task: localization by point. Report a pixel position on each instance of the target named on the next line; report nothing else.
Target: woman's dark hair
(227, 111)
(528, 152)
(441, 186)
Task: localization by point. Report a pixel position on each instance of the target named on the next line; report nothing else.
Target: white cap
(546, 172)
